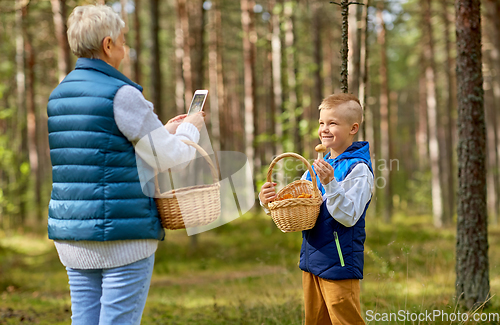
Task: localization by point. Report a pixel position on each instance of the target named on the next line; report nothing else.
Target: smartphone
(198, 101)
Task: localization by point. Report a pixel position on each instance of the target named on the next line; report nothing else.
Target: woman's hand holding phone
(197, 119)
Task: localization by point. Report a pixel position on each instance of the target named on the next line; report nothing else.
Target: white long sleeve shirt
(346, 200)
(135, 118)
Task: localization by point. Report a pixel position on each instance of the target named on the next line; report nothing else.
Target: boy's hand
(324, 171)
(267, 193)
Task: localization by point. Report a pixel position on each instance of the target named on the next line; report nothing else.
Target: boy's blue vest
(96, 193)
(321, 254)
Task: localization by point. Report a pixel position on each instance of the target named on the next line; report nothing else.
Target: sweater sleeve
(137, 121)
(346, 200)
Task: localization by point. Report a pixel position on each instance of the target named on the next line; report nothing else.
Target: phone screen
(197, 104)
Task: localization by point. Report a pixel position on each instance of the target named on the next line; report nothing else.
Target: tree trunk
(448, 122)
(354, 41)
(213, 75)
(344, 49)
(179, 79)
(277, 130)
(197, 34)
(31, 120)
(422, 129)
(385, 129)
(63, 51)
(472, 264)
(364, 132)
(138, 43)
(186, 52)
(433, 116)
(493, 10)
(291, 108)
(249, 40)
(126, 65)
(20, 140)
(156, 76)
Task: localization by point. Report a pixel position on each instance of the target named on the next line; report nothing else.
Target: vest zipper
(338, 248)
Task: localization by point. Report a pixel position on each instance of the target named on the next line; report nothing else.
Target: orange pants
(334, 302)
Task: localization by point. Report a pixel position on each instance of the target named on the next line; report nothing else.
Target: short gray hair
(89, 25)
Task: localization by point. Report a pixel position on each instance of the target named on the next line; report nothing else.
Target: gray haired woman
(105, 229)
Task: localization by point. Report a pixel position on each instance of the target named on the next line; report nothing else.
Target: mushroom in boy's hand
(320, 148)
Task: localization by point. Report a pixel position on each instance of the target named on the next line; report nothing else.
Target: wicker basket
(295, 214)
(191, 206)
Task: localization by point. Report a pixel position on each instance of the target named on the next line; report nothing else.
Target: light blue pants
(110, 296)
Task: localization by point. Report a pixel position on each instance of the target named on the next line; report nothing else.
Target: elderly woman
(105, 229)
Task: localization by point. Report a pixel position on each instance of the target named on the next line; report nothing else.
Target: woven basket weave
(191, 206)
(295, 214)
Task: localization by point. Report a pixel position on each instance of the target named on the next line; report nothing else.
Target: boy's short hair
(354, 111)
(89, 25)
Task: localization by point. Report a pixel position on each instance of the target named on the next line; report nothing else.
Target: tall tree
(354, 55)
(31, 117)
(249, 40)
(155, 62)
(213, 74)
(187, 69)
(276, 73)
(19, 123)
(365, 131)
(137, 42)
(448, 121)
(290, 53)
(63, 52)
(492, 12)
(385, 126)
(432, 115)
(472, 265)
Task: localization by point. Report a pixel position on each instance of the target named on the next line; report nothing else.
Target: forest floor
(246, 273)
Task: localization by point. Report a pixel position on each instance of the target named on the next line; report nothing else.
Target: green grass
(246, 273)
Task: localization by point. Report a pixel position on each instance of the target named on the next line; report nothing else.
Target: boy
(331, 256)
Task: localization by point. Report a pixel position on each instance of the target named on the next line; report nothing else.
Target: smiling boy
(332, 251)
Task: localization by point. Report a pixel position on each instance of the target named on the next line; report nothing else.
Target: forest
(428, 82)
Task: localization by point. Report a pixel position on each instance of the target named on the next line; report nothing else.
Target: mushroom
(320, 148)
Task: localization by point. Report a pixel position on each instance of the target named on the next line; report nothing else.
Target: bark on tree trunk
(433, 117)
(179, 79)
(63, 51)
(385, 129)
(291, 78)
(493, 10)
(213, 75)
(138, 43)
(156, 77)
(448, 121)
(354, 40)
(20, 141)
(276, 72)
(422, 130)
(126, 65)
(363, 72)
(31, 119)
(472, 265)
(249, 40)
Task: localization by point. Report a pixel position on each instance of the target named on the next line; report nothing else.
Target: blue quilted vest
(331, 250)
(96, 193)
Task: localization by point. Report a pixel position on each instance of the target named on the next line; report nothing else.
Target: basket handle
(299, 157)
(204, 154)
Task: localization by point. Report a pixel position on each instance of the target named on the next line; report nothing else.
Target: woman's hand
(324, 171)
(173, 123)
(197, 119)
(267, 193)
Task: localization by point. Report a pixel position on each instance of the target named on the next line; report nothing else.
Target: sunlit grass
(246, 273)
